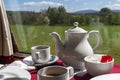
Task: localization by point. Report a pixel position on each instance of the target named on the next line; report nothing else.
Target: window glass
(31, 21)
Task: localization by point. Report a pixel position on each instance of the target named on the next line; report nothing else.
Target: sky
(70, 5)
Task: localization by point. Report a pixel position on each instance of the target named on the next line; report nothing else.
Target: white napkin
(22, 65)
(1, 65)
(28, 60)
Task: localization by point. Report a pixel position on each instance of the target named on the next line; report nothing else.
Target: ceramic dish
(115, 76)
(14, 73)
(28, 61)
(53, 59)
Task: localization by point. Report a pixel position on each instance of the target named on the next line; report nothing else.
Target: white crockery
(113, 76)
(55, 73)
(40, 53)
(28, 61)
(95, 67)
(75, 46)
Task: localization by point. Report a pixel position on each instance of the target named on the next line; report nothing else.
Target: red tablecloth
(116, 69)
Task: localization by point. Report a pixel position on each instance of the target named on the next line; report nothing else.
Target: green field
(30, 35)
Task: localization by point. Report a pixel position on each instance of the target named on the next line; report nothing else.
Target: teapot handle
(98, 38)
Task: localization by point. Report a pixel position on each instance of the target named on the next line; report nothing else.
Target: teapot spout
(58, 43)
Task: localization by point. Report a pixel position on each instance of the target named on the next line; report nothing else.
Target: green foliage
(42, 18)
(59, 16)
(62, 15)
(105, 15)
(88, 20)
(105, 11)
(75, 18)
(116, 19)
(52, 15)
(110, 19)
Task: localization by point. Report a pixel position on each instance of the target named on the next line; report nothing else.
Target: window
(31, 21)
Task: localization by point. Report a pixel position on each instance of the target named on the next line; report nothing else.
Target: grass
(31, 35)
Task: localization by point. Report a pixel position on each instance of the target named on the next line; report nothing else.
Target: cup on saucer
(40, 54)
(55, 73)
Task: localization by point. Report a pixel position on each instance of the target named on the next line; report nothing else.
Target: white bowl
(95, 67)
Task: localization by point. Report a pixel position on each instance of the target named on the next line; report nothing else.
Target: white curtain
(6, 47)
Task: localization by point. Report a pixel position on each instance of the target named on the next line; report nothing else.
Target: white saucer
(114, 76)
(28, 60)
(53, 59)
(14, 73)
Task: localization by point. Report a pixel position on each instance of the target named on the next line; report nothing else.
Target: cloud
(66, 0)
(42, 3)
(113, 6)
(78, 0)
(118, 0)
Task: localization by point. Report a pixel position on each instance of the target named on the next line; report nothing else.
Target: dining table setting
(86, 76)
(74, 60)
(23, 69)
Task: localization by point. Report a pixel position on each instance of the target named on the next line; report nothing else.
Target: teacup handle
(37, 56)
(70, 71)
(98, 38)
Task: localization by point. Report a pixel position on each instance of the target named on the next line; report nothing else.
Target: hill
(91, 12)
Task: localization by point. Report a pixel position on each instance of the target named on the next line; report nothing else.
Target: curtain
(6, 45)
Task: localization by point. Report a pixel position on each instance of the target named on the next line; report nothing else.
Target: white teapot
(76, 46)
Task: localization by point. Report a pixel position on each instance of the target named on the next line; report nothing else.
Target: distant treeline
(59, 16)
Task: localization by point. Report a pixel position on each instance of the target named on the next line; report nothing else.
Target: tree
(62, 15)
(57, 15)
(52, 15)
(42, 18)
(88, 20)
(116, 19)
(75, 18)
(110, 19)
(82, 20)
(104, 13)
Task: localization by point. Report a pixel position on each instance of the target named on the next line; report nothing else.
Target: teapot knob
(75, 24)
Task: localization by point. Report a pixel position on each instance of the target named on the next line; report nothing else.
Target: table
(116, 69)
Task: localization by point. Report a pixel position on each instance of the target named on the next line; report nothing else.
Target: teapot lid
(76, 28)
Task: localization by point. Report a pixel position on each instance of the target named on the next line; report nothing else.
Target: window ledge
(21, 54)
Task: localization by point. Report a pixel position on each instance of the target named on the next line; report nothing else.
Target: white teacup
(55, 73)
(40, 53)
